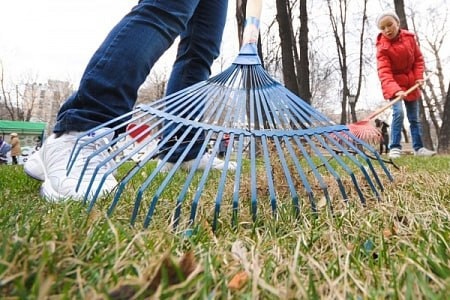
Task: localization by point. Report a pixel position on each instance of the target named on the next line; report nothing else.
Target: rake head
(365, 131)
(287, 153)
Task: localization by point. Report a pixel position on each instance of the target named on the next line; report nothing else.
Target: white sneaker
(33, 166)
(50, 166)
(217, 164)
(424, 152)
(395, 153)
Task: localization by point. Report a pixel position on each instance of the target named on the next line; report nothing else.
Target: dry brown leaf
(238, 281)
(387, 233)
(168, 267)
(185, 267)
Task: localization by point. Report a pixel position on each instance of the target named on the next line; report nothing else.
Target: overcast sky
(54, 39)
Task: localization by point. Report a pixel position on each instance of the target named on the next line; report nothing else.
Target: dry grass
(396, 248)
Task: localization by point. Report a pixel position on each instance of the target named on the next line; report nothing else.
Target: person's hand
(250, 35)
(420, 81)
(401, 94)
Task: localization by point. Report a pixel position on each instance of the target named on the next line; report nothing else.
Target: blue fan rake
(287, 153)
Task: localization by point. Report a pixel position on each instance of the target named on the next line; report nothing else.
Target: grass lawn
(398, 248)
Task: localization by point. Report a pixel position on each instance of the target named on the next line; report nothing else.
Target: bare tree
(303, 71)
(287, 45)
(10, 97)
(338, 18)
(444, 133)
(153, 88)
(426, 134)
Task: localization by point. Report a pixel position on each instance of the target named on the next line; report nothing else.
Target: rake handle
(392, 102)
(252, 17)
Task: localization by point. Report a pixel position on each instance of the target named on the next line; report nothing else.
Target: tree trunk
(426, 133)
(287, 57)
(303, 72)
(444, 132)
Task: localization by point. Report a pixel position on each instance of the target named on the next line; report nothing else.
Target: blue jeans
(412, 112)
(109, 85)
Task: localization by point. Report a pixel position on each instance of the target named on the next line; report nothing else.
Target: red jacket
(400, 64)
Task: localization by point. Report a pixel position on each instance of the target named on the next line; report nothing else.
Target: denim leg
(198, 48)
(397, 125)
(109, 85)
(412, 112)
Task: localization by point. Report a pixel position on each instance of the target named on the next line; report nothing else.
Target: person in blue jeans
(110, 82)
(400, 66)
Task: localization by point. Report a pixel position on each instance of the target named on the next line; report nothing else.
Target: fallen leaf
(238, 281)
(387, 233)
(174, 272)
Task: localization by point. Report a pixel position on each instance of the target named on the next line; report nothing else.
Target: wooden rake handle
(252, 17)
(392, 102)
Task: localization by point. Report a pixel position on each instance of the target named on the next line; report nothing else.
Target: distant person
(400, 65)
(4, 149)
(109, 86)
(224, 145)
(15, 148)
(384, 143)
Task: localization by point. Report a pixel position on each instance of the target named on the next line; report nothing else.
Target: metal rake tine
(221, 184)
(328, 166)
(126, 158)
(237, 183)
(204, 177)
(361, 154)
(301, 173)
(181, 140)
(163, 185)
(268, 106)
(76, 150)
(287, 175)
(173, 99)
(275, 119)
(103, 163)
(347, 139)
(372, 150)
(260, 107)
(139, 166)
(348, 170)
(317, 175)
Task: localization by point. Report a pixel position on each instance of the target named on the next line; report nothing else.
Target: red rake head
(366, 132)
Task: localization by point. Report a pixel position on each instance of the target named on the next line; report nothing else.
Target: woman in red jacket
(400, 65)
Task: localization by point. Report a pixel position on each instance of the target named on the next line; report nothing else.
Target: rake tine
(348, 170)
(203, 179)
(253, 192)
(269, 174)
(235, 208)
(167, 179)
(221, 185)
(138, 167)
(330, 169)
(269, 171)
(314, 170)
(76, 150)
(104, 163)
(288, 176)
(302, 175)
(366, 159)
